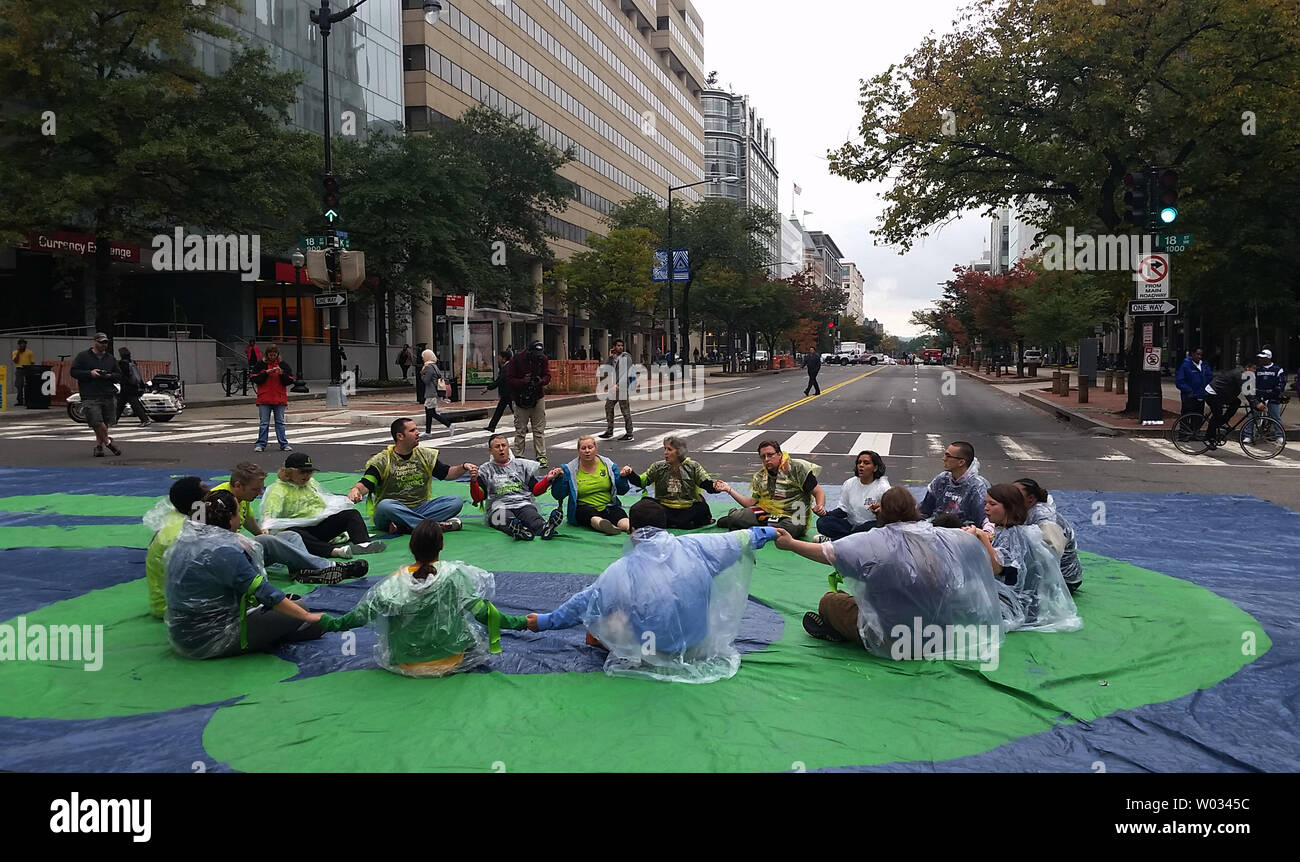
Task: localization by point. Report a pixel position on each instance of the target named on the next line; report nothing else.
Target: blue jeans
(264, 412)
(288, 548)
(1274, 410)
(407, 517)
(835, 524)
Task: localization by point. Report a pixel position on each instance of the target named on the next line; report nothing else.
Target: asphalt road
(908, 414)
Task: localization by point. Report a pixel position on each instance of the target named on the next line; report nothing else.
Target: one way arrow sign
(1136, 308)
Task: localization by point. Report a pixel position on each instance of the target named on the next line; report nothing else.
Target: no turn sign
(1152, 276)
(1151, 359)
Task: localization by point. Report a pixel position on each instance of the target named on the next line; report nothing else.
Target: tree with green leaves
(1047, 104)
(1058, 307)
(110, 129)
(728, 299)
(612, 281)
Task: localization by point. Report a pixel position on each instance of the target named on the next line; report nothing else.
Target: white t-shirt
(854, 497)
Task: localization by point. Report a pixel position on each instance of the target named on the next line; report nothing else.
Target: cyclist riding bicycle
(1270, 384)
(1223, 397)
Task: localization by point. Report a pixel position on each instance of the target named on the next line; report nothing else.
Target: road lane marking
(873, 441)
(827, 391)
(1020, 452)
(803, 442)
(738, 440)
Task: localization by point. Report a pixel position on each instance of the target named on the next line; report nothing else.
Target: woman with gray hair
(431, 374)
(678, 482)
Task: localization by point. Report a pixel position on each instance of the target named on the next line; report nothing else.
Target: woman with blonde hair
(591, 483)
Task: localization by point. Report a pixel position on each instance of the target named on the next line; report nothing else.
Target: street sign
(1137, 307)
(1148, 334)
(330, 300)
(659, 272)
(1152, 277)
(681, 264)
(1174, 242)
(310, 242)
(455, 300)
(1151, 359)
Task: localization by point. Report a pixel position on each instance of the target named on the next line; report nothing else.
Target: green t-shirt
(154, 574)
(245, 506)
(593, 488)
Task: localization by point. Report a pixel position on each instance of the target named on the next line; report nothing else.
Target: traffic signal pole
(324, 20)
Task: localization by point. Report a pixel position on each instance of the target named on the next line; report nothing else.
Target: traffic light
(331, 192)
(1137, 199)
(332, 264)
(1167, 186)
(830, 326)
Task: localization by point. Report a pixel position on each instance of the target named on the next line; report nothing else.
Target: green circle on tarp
(799, 703)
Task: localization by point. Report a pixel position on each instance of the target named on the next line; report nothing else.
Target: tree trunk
(381, 330)
(1133, 364)
(684, 324)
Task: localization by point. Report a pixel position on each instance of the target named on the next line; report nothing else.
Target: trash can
(34, 395)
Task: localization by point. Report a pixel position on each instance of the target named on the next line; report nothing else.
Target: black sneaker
(354, 568)
(517, 530)
(606, 435)
(553, 523)
(627, 436)
(814, 625)
(329, 575)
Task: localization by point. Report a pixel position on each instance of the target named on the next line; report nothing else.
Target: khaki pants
(840, 611)
(537, 416)
(626, 407)
(740, 519)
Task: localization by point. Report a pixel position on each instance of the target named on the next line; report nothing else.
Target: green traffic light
(1168, 214)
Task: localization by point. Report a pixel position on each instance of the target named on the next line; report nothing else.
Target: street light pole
(672, 315)
(325, 20)
(299, 261)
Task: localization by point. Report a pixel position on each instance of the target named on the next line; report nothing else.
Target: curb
(1074, 417)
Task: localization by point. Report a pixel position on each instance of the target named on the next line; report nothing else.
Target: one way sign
(1137, 308)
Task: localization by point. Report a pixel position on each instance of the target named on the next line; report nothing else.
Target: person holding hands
(508, 485)
(783, 491)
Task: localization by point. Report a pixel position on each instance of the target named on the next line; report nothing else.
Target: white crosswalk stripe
(1020, 451)
(803, 442)
(655, 441)
(1168, 451)
(737, 441)
(878, 443)
(935, 442)
(1114, 456)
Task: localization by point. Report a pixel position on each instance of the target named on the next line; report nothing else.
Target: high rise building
(792, 248)
(853, 290)
(825, 257)
(738, 143)
(616, 80)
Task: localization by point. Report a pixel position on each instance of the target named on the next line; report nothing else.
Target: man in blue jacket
(1270, 383)
(1191, 378)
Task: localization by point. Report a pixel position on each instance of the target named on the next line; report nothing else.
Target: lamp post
(325, 20)
(672, 317)
(299, 261)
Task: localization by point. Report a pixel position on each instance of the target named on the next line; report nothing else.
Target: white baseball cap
(1266, 354)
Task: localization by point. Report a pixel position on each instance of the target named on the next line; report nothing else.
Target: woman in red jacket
(273, 377)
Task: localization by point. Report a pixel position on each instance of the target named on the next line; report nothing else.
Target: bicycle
(1189, 437)
(230, 381)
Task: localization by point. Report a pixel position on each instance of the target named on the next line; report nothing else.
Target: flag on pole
(797, 190)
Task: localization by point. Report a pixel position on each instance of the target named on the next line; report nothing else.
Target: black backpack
(531, 392)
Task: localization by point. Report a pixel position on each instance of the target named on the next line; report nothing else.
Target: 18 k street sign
(1139, 308)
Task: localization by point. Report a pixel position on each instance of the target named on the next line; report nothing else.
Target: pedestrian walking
(132, 385)
(812, 363)
(404, 359)
(22, 359)
(431, 375)
(95, 371)
(272, 377)
(502, 385)
(1192, 376)
(619, 390)
(529, 374)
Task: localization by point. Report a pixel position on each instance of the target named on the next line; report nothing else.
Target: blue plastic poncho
(1038, 600)
(671, 608)
(910, 577)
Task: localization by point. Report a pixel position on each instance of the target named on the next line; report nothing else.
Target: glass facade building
(738, 143)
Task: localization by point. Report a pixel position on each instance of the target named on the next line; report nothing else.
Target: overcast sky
(801, 64)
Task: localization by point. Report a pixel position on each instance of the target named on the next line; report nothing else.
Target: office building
(738, 143)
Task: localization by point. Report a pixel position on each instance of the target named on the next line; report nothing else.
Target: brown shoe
(591, 641)
(112, 447)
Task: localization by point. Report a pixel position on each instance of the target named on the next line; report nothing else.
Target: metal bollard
(1121, 383)
(1056, 383)
(1065, 383)
(1083, 389)
(1110, 380)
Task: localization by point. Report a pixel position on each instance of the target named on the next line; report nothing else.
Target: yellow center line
(827, 391)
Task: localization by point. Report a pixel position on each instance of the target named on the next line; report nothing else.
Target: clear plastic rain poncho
(423, 626)
(1038, 600)
(910, 576)
(1046, 516)
(286, 505)
(165, 523)
(671, 607)
(213, 577)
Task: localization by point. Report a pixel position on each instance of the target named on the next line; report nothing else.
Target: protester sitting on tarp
(906, 575)
(1028, 571)
(1042, 510)
(433, 618)
(959, 489)
(671, 607)
(329, 524)
(219, 601)
(165, 519)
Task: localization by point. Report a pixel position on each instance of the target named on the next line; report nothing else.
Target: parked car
(1033, 357)
(760, 355)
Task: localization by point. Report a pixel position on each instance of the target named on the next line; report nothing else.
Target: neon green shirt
(593, 488)
(245, 506)
(154, 573)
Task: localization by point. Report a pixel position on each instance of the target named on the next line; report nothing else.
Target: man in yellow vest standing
(22, 358)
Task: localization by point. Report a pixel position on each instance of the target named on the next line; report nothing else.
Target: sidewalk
(1103, 408)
